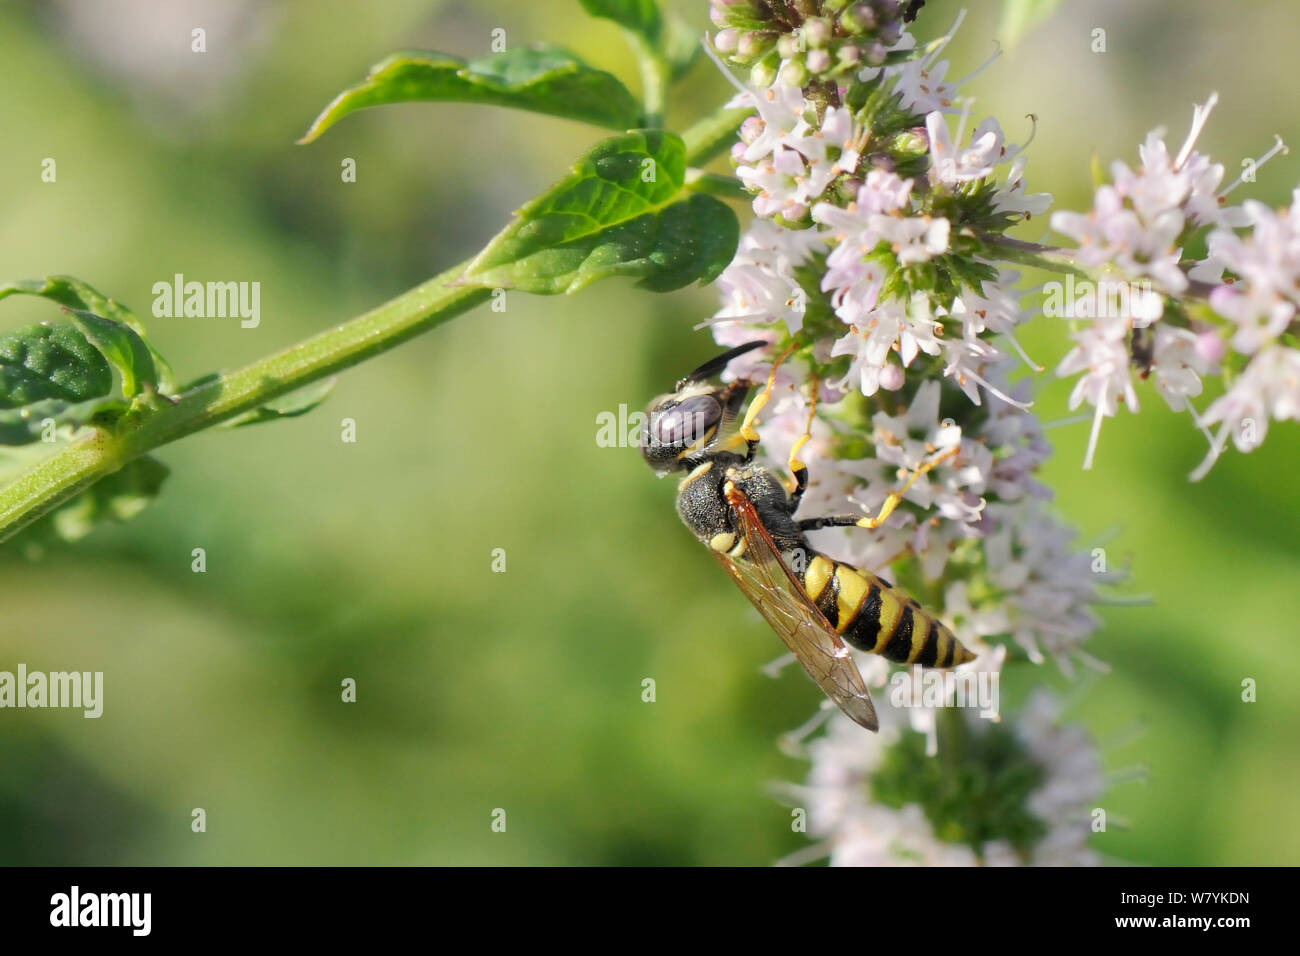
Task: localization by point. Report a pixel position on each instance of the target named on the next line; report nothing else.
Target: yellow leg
(896, 497)
(796, 466)
(747, 431)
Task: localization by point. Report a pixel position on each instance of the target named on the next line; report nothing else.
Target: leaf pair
(54, 378)
(63, 374)
(111, 327)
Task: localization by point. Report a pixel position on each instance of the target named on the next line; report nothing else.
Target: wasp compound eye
(686, 422)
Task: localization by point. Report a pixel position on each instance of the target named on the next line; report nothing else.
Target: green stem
(714, 184)
(655, 78)
(99, 452)
(1032, 254)
(713, 135)
(1056, 259)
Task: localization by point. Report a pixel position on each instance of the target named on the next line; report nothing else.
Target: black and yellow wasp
(745, 516)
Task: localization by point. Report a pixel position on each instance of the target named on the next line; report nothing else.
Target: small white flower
(916, 238)
(830, 151)
(892, 325)
(1048, 586)
(950, 165)
(780, 110)
(1177, 365)
(1101, 353)
(759, 285)
(1011, 196)
(778, 183)
(1268, 388)
(855, 830)
(1267, 259)
(1138, 221)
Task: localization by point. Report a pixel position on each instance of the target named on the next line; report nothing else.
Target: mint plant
(879, 267)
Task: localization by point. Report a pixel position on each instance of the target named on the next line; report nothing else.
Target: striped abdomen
(873, 616)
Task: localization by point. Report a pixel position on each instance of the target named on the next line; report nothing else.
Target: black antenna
(715, 365)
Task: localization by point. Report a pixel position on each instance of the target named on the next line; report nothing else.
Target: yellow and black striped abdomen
(873, 616)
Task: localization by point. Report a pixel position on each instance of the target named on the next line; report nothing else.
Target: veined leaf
(123, 348)
(620, 212)
(296, 403)
(116, 497)
(541, 79)
(639, 16)
(72, 293)
(22, 426)
(42, 362)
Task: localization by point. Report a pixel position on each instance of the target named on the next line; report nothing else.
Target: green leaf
(123, 348)
(541, 79)
(40, 362)
(620, 212)
(117, 497)
(22, 426)
(296, 403)
(1021, 16)
(639, 16)
(72, 293)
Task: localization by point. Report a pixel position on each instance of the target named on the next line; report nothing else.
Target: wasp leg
(747, 431)
(799, 470)
(886, 509)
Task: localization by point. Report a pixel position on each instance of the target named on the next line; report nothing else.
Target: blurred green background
(371, 560)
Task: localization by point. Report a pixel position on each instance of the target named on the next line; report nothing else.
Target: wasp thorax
(676, 426)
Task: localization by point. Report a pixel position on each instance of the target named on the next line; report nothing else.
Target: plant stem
(713, 135)
(1056, 259)
(1033, 254)
(713, 184)
(655, 78)
(99, 452)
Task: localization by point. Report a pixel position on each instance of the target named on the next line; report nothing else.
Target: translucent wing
(780, 598)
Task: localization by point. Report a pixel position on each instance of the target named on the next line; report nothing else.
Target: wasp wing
(772, 588)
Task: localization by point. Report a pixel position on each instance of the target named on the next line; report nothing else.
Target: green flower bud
(763, 73)
(794, 73)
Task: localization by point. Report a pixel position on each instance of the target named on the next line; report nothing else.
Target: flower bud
(789, 46)
(794, 73)
(858, 19)
(1210, 347)
(763, 73)
(753, 44)
(849, 54)
(891, 377)
(817, 32)
(726, 41)
(819, 61)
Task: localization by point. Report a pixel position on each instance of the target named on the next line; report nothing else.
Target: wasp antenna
(715, 365)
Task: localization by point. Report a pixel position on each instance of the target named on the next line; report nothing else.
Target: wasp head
(691, 424)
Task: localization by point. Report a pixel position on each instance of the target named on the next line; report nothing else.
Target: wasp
(746, 517)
